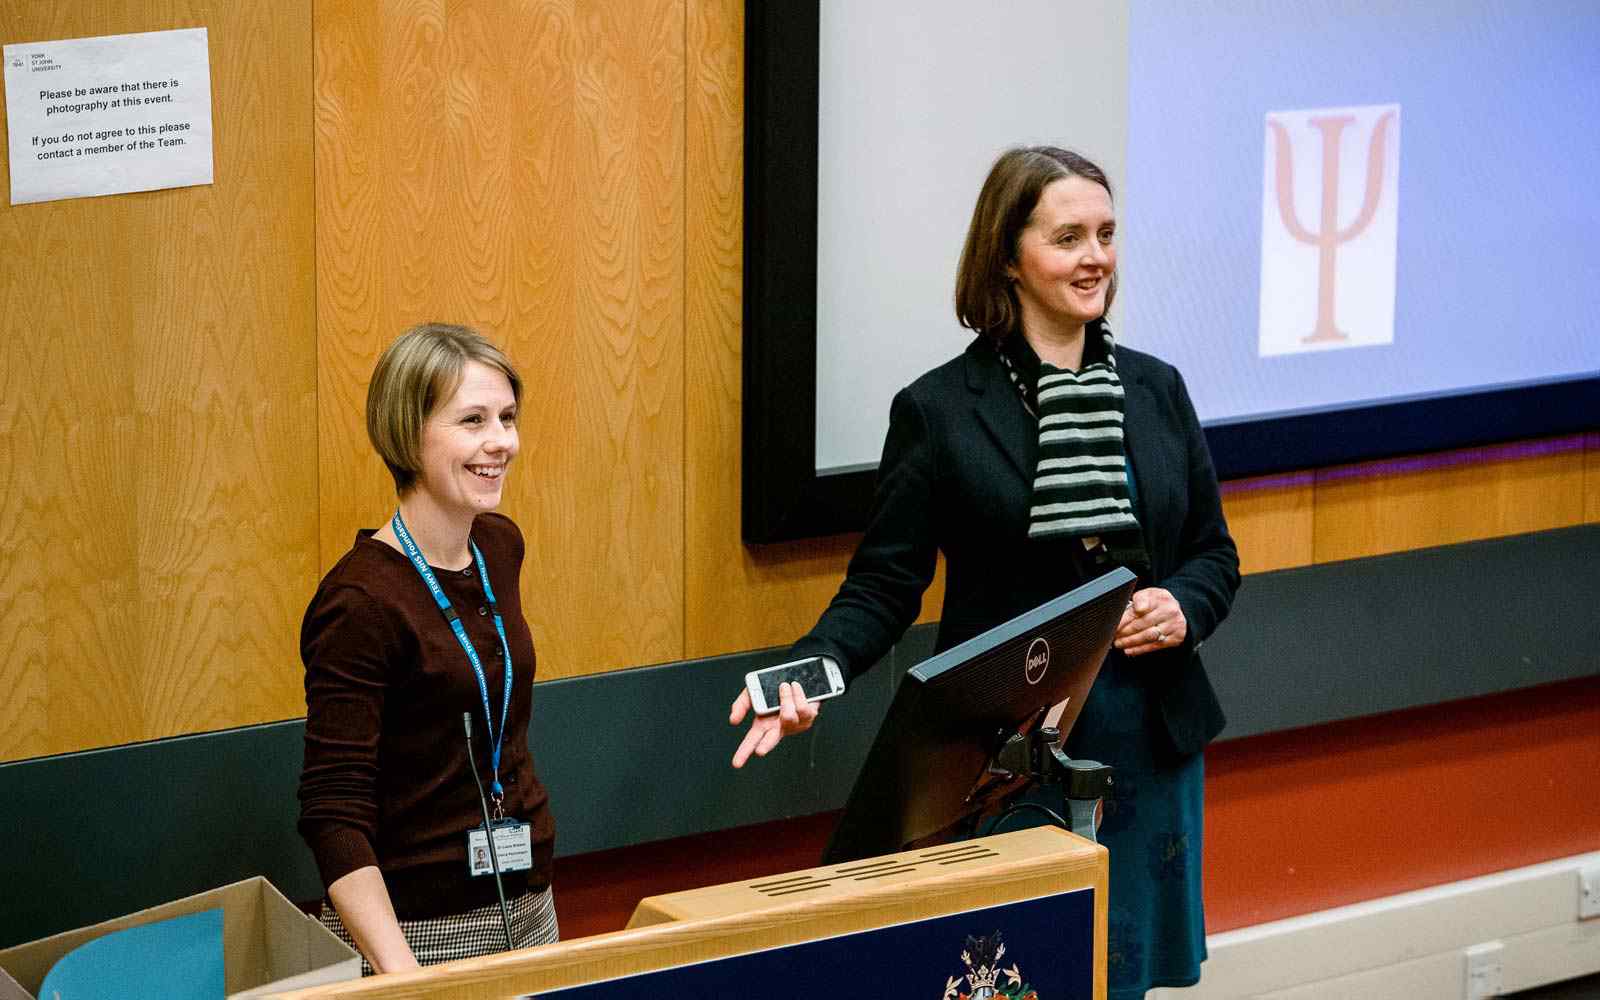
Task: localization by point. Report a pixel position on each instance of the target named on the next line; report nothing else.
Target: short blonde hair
(416, 373)
(986, 297)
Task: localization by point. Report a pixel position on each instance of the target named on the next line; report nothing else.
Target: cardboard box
(269, 946)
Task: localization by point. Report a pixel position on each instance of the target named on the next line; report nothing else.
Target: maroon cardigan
(386, 780)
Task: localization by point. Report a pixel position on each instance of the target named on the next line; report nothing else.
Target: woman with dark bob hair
(1037, 459)
(420, 622)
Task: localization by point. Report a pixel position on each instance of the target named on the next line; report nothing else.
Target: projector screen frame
(784, 498)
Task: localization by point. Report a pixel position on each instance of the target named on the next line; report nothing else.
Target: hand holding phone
(790, 713)
(818, 678)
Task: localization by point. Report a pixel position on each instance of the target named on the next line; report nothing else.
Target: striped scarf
(1080, 486)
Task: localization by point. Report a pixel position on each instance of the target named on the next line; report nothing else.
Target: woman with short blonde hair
(419, 622)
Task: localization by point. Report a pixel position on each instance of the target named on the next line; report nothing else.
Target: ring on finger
(1160, 636)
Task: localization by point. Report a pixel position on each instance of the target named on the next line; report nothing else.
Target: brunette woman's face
(1066, 255)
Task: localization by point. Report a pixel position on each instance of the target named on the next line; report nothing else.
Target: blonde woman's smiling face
(468, 442)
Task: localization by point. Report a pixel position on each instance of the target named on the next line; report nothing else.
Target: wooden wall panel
(627, 482)
(160, 516)
(27, 484)
(1591, 478)
(1271, 520)
(736, 597)
(70, 645)
(225, 493)
(1459, 496)
(520, 169)
(354, 226)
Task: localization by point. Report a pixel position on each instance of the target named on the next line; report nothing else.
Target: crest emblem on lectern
(982, 957)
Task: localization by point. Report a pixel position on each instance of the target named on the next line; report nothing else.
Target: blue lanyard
(498, 735)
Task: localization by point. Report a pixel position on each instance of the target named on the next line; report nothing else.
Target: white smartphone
(819, 677)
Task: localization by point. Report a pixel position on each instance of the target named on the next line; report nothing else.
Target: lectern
(1018, 915)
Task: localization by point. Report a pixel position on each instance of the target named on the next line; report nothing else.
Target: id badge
(513, 844)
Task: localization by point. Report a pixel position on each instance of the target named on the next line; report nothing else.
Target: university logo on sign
(1330, 211)
(983, 977)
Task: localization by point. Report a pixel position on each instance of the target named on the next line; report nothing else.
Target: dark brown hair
(986, 300)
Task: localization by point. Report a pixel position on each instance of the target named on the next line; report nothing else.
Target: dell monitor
(928, 769)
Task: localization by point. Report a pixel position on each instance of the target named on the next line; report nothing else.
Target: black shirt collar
(1026, 361)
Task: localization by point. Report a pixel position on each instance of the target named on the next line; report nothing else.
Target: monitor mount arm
(1037, 757)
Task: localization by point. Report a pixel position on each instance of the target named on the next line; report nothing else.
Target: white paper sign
(108, 115)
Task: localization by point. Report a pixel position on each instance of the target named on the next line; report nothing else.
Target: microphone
(494, 856)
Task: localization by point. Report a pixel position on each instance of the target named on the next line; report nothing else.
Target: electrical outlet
(1485, 971)
(1589, 892)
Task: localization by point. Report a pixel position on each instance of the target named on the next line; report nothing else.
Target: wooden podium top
(970, 865)
(738, 918)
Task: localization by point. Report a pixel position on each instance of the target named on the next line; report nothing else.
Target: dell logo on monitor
(1038, 660)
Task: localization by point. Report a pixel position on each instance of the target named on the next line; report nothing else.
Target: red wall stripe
(1309, 819)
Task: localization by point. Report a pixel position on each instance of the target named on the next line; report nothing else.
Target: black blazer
(957, 476)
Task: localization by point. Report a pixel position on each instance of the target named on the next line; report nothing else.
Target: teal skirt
(1152, 827)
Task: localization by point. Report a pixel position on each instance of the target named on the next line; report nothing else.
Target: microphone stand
(488, 828)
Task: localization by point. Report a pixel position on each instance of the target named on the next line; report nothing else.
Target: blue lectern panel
(1039, 948)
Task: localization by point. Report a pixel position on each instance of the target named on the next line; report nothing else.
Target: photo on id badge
(513, 848)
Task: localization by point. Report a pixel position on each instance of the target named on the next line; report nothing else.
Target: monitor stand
(1036, 759)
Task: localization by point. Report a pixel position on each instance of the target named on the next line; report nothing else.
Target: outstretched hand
(795, 715)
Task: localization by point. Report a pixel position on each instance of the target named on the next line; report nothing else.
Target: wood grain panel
(70, 576)
(26, 483)
(1271, 520)
(1458, 496)
(519, 169)
(736, 597)
(66, 410)
(158, 405)
(225, 493)
(1591, 478)
(353, 308)
(626, 459)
